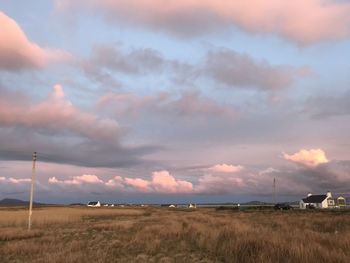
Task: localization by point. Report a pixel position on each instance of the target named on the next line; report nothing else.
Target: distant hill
(15, 202)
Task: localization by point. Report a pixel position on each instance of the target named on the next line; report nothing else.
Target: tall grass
(162, 235)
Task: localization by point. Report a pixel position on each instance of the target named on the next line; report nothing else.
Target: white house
(94, 204)
(321, 201)
(192, 206)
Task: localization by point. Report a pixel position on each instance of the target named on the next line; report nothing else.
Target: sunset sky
(174, 100)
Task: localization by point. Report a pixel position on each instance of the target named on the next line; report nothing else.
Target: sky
(159, 101)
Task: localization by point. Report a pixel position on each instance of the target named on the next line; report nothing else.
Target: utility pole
(274, 190)
(31, 193)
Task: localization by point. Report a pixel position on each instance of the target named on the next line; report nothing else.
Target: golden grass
(64, 234)
(59, 215)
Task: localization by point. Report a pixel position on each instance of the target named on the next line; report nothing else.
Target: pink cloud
(161, 182)
(17, 52)
(301, 21)
(15, 180)
(78, 180)
(164, 182)
(226, 168)
(116, 182)
(57, 114)
(138, 183)
(310, 158)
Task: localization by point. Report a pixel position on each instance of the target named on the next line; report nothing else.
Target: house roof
(92, 203)
(314, 199)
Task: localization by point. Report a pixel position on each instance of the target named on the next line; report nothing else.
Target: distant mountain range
(16, 202)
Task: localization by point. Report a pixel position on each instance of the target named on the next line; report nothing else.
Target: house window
(331, 202)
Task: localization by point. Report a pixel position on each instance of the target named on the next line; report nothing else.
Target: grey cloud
(240, 70)
(332, 176)
(106, 61)
(135, 62)
(223, 66)
(326, 106)
(19, 144)
(187, 104)
(193, 104)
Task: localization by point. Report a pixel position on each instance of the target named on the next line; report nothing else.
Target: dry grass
(64, 234)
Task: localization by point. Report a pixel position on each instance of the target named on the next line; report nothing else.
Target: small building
(94, 204)
(340, 201)
(192, 206)
(322, 201)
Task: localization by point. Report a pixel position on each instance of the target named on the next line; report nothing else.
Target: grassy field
(73, 234)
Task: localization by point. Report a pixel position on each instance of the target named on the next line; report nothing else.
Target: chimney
(309, 194)
(329, 194)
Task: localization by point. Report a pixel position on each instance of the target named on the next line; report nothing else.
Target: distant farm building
(192, 206)
(322, 201)
(94, 204)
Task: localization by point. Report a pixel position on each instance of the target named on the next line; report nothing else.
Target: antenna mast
(31, 193)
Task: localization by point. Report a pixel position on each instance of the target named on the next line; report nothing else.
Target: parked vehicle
(283, 206)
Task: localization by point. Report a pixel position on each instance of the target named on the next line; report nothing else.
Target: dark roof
(92, 203)
(315, 199)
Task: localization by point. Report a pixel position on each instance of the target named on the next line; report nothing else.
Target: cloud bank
(317, 20)
(62, 132)
(294, 181)
(161, 182)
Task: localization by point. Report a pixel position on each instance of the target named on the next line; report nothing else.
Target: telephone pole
(31, 193)
(274, 190)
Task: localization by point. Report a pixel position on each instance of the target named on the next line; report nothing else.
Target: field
(79, 234)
